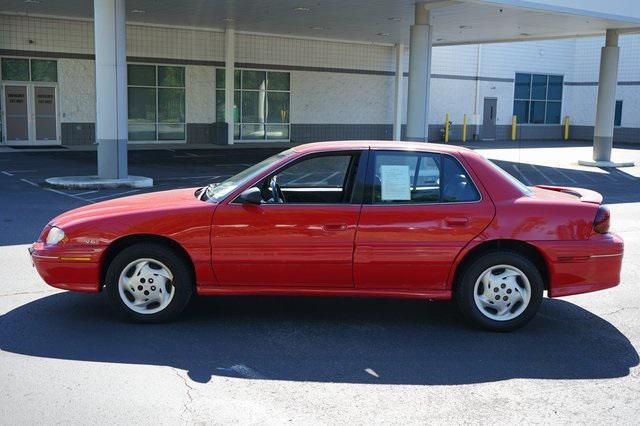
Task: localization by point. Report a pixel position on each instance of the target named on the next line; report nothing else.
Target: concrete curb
(93, 182)
(592, 163)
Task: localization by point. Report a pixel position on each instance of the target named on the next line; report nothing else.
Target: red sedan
(342, 219)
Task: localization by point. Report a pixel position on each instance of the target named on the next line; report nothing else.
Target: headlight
(55, 235)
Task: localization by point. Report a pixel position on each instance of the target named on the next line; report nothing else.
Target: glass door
(30, 114)
(16, 114)
(44, 114)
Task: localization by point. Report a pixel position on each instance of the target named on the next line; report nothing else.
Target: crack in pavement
(186, 405)
(29, 293)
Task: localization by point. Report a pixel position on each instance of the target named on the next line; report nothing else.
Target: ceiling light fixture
(138, 11)
(384, 34)
(301, 9)
(32, 1)
(228, 19)
(394, 19)
(318, 28)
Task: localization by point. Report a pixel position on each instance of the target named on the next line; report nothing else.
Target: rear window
(421, 178)
(521, 186)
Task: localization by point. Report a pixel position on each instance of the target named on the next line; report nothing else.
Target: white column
(419, 76)
(111, 87)
(229, 89)
(397, 105)
(606, 103)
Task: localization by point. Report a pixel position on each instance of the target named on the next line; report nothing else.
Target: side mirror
(251, 195)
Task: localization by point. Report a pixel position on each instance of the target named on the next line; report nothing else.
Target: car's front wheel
(500, 291)
(149, 283)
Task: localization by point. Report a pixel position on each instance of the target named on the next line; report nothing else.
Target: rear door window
(399, 177)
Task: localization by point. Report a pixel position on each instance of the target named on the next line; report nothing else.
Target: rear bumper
(583, 266)
(68, 270)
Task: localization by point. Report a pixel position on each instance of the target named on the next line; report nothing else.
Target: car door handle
(335, 227)
(457, 221)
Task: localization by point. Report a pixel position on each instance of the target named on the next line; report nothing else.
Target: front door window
(322, 179)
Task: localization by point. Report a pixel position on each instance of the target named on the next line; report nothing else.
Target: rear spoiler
(585, 195)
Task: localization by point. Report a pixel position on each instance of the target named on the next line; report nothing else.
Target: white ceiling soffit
(373, 21)
(620, 10)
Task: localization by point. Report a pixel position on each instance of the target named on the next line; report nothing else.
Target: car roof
(373, 144)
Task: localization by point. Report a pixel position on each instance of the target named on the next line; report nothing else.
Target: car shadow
(324, 340)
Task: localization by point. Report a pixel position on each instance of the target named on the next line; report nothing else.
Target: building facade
(298, 89)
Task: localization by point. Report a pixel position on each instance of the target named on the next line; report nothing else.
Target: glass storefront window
(539, 86)
(156, 100)
(19, 69)
(256, 80)
(220, 78)
(261, 104)
(141, 105)
(252, 107)
(523, 86)
(44, 70)
(537, 98)
(537, 112)
(171, 76)
(278, 81)
(521, 111)
(171, 106)
(553, 112)
(141, 75)
(278, 107)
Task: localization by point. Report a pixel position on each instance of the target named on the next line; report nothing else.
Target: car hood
(153, 201)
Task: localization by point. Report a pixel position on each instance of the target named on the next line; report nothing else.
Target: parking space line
(113, 195)
(621, 174)
(30, 182)
(6, 173)
(86, 192)
(517, 169)
(572, 180)
(68, 195)
(22, 171)
(586, 175)
(541, 173)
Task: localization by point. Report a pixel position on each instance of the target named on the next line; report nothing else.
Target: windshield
(226, 187)
(521, 186)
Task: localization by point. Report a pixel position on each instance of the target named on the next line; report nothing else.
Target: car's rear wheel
(500, 291)
(149, 283)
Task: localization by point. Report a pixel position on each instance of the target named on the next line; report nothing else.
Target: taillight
(602, 221)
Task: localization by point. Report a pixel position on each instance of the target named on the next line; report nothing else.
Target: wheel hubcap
(502, 292)
(146, 286)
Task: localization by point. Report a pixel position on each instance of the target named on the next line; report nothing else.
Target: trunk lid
(565, 192)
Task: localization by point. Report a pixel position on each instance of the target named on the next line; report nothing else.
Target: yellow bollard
(446, 127)
(464, 128)
(514, 122)
(566, 128)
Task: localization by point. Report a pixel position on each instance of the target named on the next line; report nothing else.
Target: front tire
(149, 283)
(500, 291)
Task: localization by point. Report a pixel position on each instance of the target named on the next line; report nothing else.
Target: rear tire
(149, 283)
(500, 291)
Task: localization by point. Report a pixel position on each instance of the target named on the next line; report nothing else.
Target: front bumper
(76, 269)
(584, 266)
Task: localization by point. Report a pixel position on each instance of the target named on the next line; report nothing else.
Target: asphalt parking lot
(64, 357)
